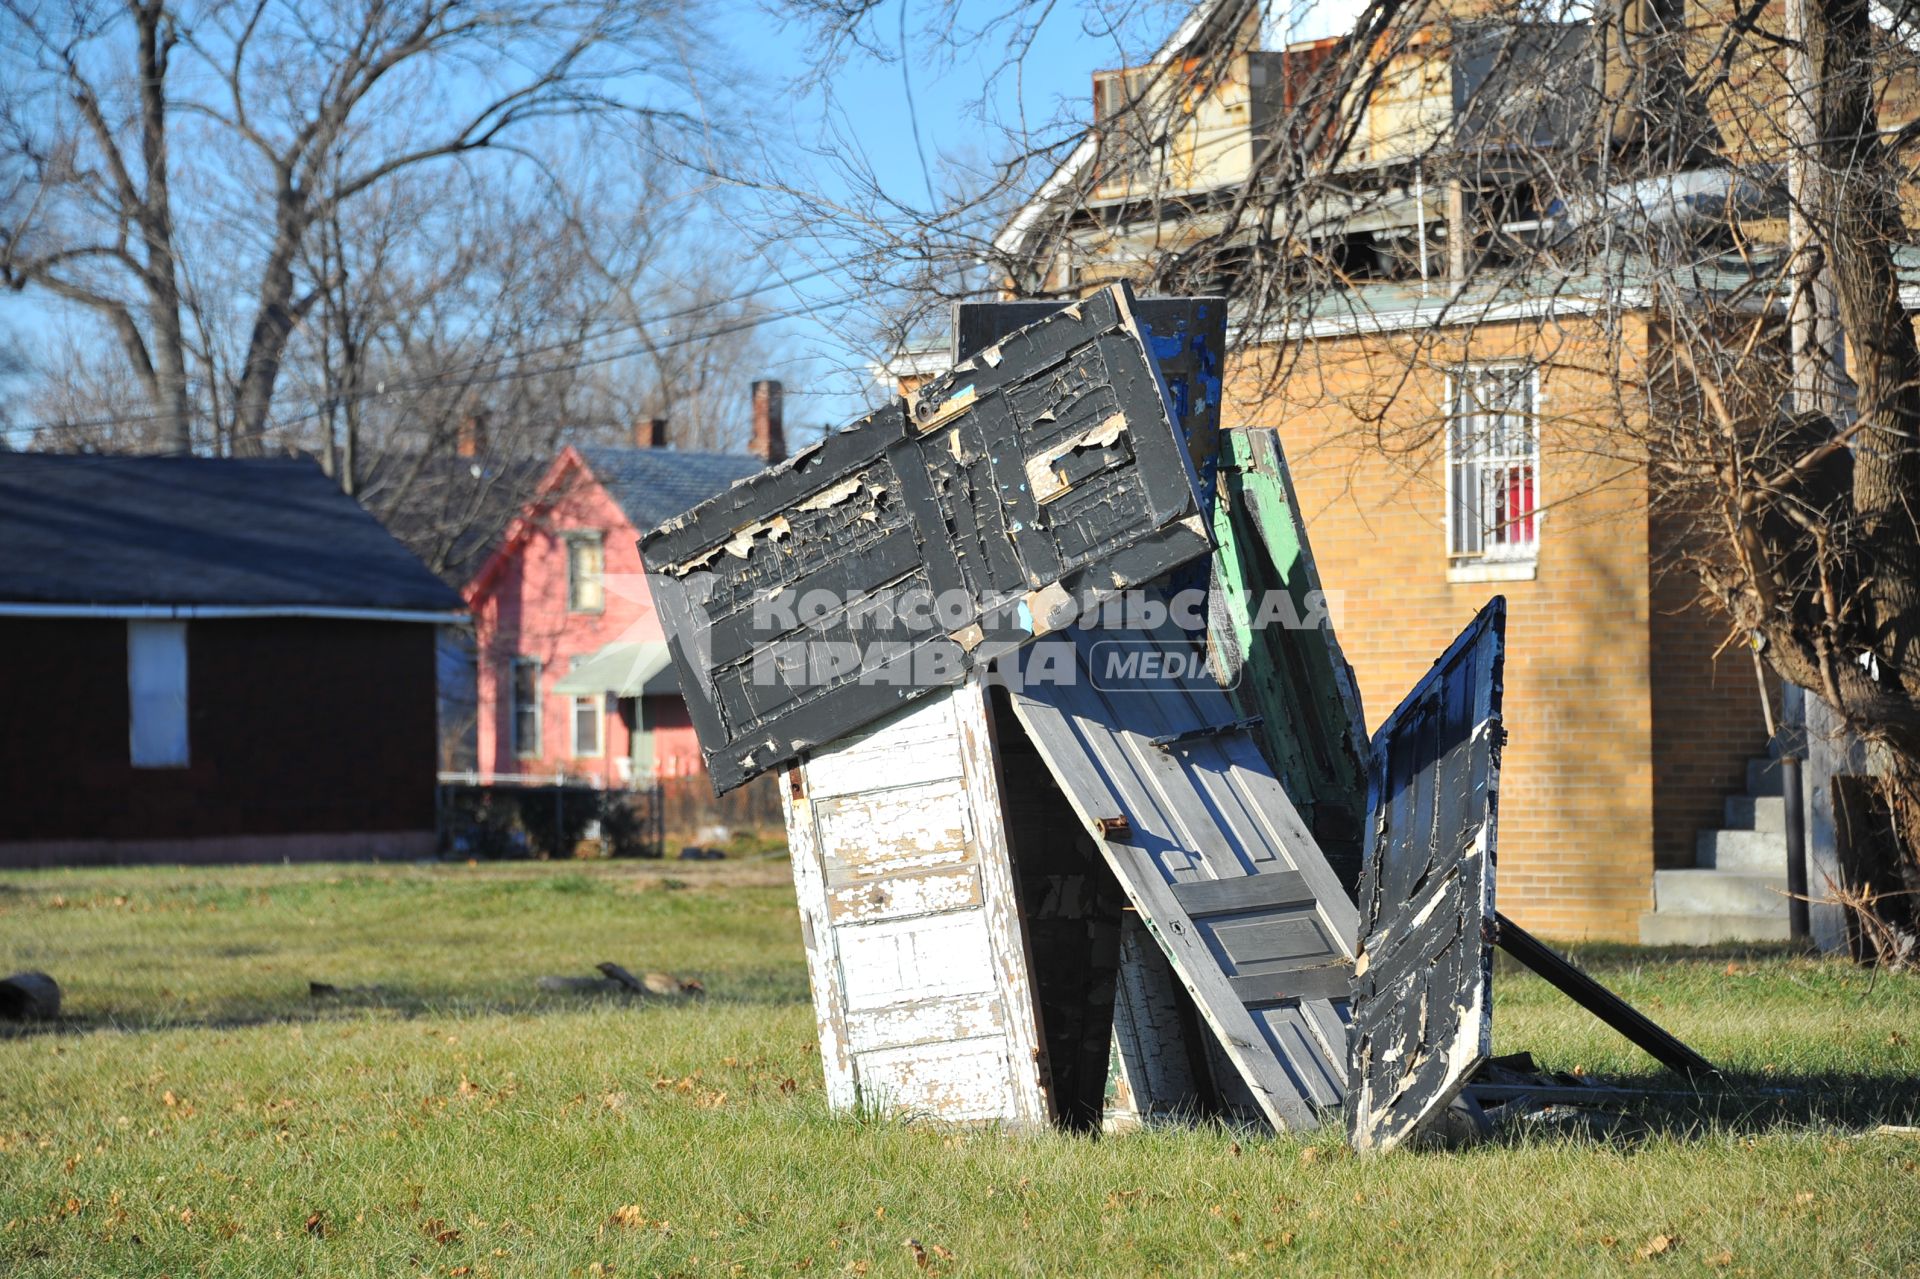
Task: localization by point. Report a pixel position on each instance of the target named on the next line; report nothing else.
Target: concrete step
(1746, 852)
(1756, 812)
(1719, 892)
(1657, 929)
(1763, 777)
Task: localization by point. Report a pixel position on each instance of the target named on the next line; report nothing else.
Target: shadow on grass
(751, 988)
(1737, 1102)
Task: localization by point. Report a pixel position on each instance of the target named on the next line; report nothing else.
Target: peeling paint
(1215, 860)
(1422, 995)
(890, 510)
(913, 944)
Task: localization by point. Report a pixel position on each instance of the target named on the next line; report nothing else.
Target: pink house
(573, 671)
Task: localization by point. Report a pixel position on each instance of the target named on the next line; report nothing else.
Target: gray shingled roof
(654, 485)
(266, 532)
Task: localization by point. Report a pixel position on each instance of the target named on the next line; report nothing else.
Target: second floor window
(1493, 464)
(526, 706)
(586, 573)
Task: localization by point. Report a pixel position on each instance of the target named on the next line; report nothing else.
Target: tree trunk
(168, 345)
(1859, 208)
(1820, 383)
(272, 325)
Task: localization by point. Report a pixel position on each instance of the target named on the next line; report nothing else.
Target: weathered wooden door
(911, 921)
(1423, 994)
(890, 559)
(1271, 637)
(1204, 841)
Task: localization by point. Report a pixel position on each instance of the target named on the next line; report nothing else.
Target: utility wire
(459, 375)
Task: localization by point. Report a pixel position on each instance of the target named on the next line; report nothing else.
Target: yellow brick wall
(1707, 720)
(1577, 789)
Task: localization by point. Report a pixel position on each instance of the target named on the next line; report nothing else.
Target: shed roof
(255, 533)
(654, 485)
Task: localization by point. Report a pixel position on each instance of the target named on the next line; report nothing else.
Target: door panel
(1423, 998)
(1045, 474)
(908, 911)
(1209, 850)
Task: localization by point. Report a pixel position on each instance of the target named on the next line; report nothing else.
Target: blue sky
(867, 108)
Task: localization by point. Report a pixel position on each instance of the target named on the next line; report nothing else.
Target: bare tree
(467, 330)
(286, 114)
(1734, 175)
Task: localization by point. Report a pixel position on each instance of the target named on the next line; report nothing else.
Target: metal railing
(507, 815)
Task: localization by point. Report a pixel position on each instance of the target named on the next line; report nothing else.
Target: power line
(457, 376)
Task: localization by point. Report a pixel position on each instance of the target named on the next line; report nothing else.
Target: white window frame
(1520, 556)
(521, 749)
(575, 540)
(598, 703)
(158, 734)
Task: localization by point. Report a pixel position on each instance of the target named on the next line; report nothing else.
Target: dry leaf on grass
(1658, 1246)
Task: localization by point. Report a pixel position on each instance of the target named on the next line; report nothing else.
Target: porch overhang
(639, 668)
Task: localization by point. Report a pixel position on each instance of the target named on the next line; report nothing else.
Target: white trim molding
(222, 612)
(1494, 571)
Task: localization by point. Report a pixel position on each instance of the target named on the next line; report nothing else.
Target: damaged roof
(170, 531)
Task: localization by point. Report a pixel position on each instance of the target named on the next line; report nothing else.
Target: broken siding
(910, 918)
(1209, 850)
(1041, 476)
(1274, 647)
(1422, 996)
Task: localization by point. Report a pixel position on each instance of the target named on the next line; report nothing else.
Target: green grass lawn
(199, 1114)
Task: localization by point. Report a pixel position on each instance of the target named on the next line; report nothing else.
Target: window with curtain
(1493, 464)
(586, 573)
(157, 694)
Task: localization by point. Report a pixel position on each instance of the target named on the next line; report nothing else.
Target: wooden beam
(1601, 1002)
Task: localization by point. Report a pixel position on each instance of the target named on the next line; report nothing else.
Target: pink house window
(586, 573)
(1493, 464)
(525, 694)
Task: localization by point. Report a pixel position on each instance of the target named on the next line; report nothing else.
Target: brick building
(1447, 441)
(1627, 731)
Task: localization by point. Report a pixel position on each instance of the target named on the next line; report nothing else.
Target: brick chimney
(473, 434)
(769, 424)
(650, 433)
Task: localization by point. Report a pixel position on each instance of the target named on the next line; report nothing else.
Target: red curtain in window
(1516, 525)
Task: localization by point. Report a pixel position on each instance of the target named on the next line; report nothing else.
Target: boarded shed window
(157, 693)
(1493, 464)
(586, 573)
(525, 694)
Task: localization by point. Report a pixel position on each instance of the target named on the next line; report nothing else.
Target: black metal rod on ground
(1799, 926)
(1600, 1001)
